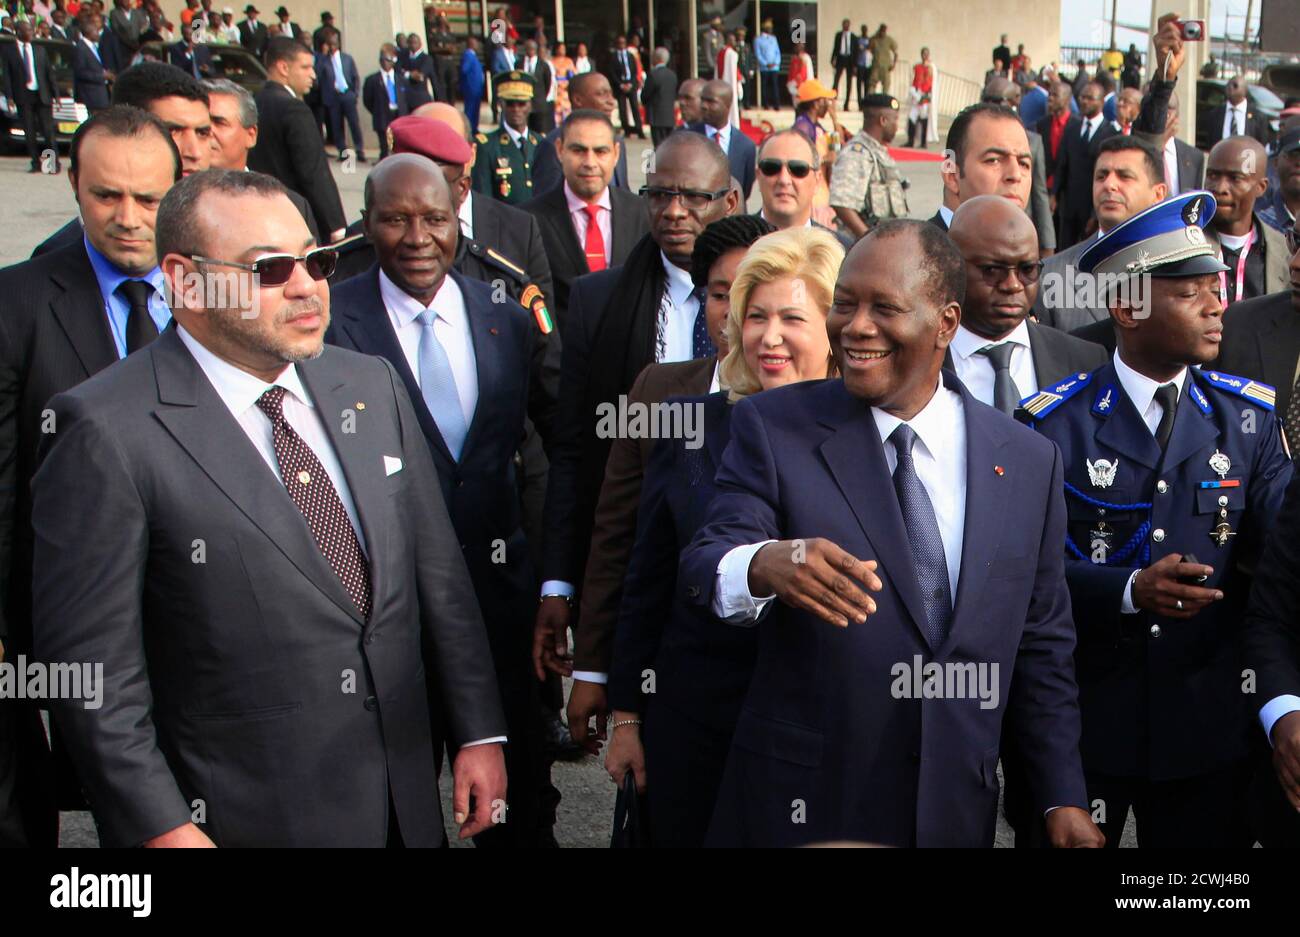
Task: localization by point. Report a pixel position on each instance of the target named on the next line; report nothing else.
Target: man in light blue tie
(384, 95)
(464, 360)
(336, 76)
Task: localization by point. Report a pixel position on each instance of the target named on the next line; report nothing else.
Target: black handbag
(630, 828)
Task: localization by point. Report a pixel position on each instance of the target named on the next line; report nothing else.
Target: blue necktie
(392, 90)
(438, 387)
(923, 535)
(701, 345)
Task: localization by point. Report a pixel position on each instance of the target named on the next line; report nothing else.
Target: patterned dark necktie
(140, 327)
(312, 491)
(701, 345)
(1292, 421)
(923, 536)
(1167, 397)
(1005, 395)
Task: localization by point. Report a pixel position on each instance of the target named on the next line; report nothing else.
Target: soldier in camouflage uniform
(866, 186)
(504, 168)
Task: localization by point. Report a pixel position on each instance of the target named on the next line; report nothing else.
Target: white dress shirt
(946, 214)
(976, 370)
(677, 312)
(466, 215)
(240, 391)
(516, 136)
(1171, 168)
(451, 327)
(721, 135)
(604, 218)
(940, 460)
(1090, 126)
(93, 47)
(1141, 391)
(27, 55)
(1228, 111)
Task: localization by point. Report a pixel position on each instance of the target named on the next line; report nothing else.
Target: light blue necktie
(340, 83)
(392, 91)
(438, 387)
(923, 535)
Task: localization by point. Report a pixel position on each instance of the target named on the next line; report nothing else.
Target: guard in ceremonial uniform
(504, 168)
(1173, 475)
(865, 179)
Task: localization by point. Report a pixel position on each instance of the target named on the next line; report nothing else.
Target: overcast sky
(1087, 22)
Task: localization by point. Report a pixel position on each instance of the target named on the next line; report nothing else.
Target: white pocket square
(392, 465)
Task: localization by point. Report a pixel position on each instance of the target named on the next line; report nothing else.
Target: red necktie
(595, 246)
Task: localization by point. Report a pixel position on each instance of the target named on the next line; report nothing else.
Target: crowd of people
(824, 510)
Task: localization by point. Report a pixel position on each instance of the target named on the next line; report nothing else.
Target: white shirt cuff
(1274, 710)
(557, 587)
(492, 741)
(1126, 605)
(590, 676)
(732, 601)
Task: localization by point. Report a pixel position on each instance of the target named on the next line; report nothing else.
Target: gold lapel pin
(360, 405)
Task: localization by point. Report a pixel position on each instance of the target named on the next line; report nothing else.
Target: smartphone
(1191, 580)
(1191, 30)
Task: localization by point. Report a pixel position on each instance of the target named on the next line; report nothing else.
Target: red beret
(431, 138)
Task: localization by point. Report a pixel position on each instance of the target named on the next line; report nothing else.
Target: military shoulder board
(1045, 401)
(1254, 391)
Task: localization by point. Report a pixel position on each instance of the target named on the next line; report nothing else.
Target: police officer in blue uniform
(1172, 476)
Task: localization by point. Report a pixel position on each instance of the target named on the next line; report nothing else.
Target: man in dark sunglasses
(787, 179)
(300, 475)
(788, 175)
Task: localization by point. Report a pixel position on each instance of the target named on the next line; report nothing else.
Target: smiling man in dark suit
(715, 111)
(588, 223)
(64, 317)
(894, 469)
(464, 359)
(300, 475)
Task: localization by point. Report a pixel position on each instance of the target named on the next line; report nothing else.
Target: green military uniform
(884, 53)
(504, 168)
(865, 177)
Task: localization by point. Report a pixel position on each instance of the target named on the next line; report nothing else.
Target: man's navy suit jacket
(825, 748)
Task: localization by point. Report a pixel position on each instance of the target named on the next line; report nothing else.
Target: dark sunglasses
(799, 168)
(995, 274)
(696, 199)
(996, 99)
(276, 269)
(1292, 240)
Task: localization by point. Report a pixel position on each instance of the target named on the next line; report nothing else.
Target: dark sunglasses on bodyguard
(799, 168)
(276, 269)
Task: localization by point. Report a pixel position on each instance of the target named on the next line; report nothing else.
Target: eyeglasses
(693, 199)
(799, 168)
(1292, 240)
(996, 274)
(276, 269)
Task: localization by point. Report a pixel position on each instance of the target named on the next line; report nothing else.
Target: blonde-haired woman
(776, 335)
